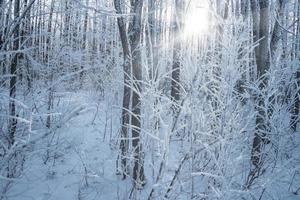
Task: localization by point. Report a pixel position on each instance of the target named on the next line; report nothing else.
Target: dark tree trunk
(2, 23)
(132, 59)
(178, 25)
(296, 105)
(175, 90)
(2, 34)
(261, 31)
(135, 40)
(126, 92)
(12, 124)
(25, 41)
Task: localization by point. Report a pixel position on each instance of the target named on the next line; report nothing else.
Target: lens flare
(196, 22)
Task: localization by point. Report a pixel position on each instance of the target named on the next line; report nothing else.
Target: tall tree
(84, 41)
(2, 34)
(296, 104)
(47, 59)
(126, 91)
(2, 24)
(12, 124)
(261, 25)
(135, 42)
(131, 44)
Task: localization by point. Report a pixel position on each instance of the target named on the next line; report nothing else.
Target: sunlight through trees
(150, 99)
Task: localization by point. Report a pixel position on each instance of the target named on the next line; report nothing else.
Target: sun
(196, 21)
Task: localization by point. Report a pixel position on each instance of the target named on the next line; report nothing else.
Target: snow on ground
(79, 160)
(81, 163)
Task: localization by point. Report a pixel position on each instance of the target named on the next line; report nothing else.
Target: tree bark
(296, 102)
(12, 123)
(124, 145)
(2, 33)
(135, 40)
(277, 30)
(48, 48)
(178, 25)
(263, 63)
(132, 59)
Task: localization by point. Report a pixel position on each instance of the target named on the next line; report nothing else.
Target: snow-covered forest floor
(78, 159)
(149, 99)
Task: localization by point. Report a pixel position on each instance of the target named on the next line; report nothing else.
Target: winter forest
(149, 99)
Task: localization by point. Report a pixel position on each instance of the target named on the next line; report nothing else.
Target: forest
(149, 99)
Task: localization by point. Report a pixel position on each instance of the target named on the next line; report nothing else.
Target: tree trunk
(135, 40)
(2, 34)
(12, 124)
(48, 48)
(2, 22)
(84, 43)
(263, 64)
(132, 59)
(296, 105)
(25, 41)
(277, 30)
(126, 92)
(178, 25)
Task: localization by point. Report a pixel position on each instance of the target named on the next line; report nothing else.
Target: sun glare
(196, 22)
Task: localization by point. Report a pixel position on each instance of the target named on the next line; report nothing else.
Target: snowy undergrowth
(76, 161)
